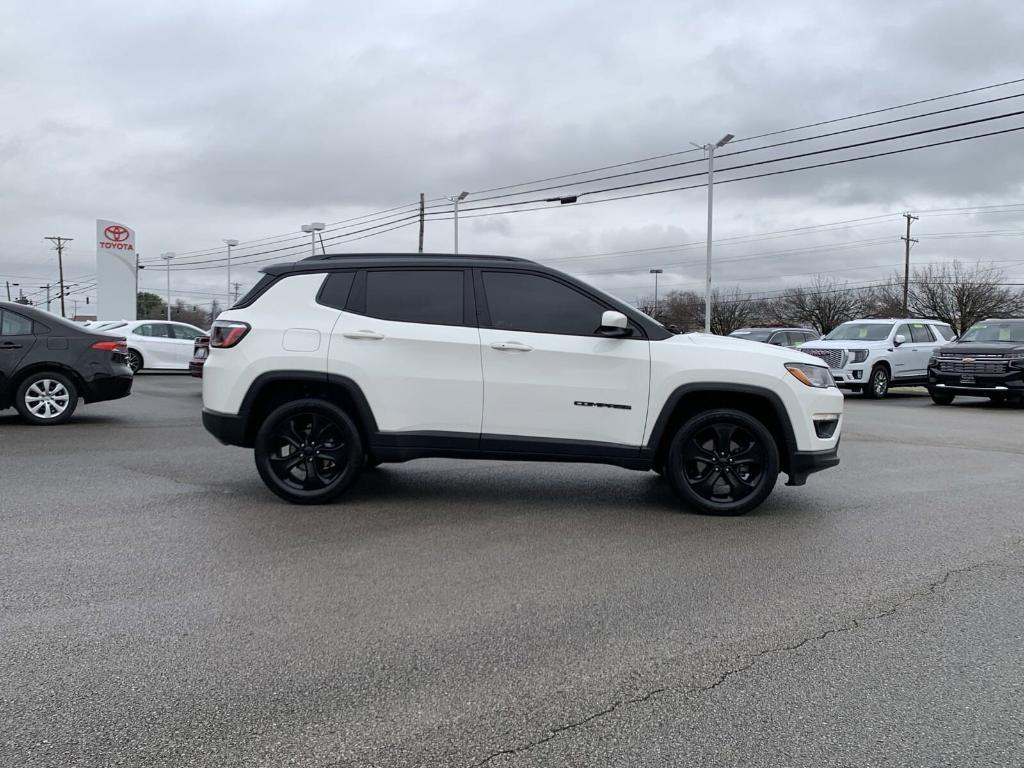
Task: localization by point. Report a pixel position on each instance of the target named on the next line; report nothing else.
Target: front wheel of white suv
(309, 451)
(878, 384)
(723, 462)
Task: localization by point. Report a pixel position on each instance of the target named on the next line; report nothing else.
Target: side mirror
(614, 324)
(900, 339)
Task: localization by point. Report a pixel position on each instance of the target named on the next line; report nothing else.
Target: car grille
(834, 358)
(983, 364)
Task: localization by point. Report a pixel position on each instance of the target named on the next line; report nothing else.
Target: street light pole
(656, 272)
(167, 258)
(456, 199)
(230, 244)
(316, 226)
(710, 149)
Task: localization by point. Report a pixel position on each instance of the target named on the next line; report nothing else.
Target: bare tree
(822, 303)
(683, 309)
(885, 300)
(962, 295)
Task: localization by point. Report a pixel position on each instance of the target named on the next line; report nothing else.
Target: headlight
(858, 355)
(811, 375)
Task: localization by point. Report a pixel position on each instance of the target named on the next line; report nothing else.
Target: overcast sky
(197, 121)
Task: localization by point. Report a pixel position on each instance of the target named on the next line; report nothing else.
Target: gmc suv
(874, 355)
(987, 361)
(338, 362)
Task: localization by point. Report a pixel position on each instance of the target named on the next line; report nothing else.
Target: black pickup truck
(986, 361)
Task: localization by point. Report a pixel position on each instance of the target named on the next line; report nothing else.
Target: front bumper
(1010, 384)
(804, 463)
(850, 377)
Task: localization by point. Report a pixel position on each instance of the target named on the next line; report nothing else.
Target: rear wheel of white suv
(309, 451)
(723, 462)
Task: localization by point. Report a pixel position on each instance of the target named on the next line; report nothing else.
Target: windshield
(753, 334)
(860, 332)
(1012, 331)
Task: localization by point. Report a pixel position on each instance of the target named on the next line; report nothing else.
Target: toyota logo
(116, 232)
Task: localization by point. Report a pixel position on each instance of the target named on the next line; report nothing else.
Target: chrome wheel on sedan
(46, 398)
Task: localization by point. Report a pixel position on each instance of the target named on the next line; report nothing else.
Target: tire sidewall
(352, 439)
(941, 398)
(674, 462)
(869, 390)
(31, 418)
(142, 361)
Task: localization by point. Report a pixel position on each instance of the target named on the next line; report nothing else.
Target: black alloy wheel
(309, 451)
(723, 462)
(135, 360)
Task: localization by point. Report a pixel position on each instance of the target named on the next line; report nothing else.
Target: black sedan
(47, 364)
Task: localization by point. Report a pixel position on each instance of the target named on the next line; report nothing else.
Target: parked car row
(154, 344)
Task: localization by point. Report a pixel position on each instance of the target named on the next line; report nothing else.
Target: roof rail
(473, 256)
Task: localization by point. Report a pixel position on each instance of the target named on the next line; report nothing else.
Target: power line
(758, 136)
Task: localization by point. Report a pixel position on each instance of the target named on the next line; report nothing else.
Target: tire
(46, 398)
(878, 385)
(309, 451)
(942, 398)
(135, 361)
(997, 399)
(711, 446)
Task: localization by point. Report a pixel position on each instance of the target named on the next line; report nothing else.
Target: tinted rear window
(334, 292)
(434, 297)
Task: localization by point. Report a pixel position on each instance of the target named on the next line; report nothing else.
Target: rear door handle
(511, 346)
(10, 345)
(362, 335)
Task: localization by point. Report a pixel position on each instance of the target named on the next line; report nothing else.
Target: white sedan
(155, 343)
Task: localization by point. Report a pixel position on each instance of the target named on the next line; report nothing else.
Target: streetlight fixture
(456, 199)
(656, 272)
(316, 226)
(710, 149)
(230, 244)
(167, 258)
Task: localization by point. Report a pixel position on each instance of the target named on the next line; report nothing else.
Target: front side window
(904, 331)
(12, 324)
(431, 296)
(537, 304)
(155, 330)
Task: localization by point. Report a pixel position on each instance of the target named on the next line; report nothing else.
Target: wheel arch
(47, 366)
(688, 400)
(276, 388)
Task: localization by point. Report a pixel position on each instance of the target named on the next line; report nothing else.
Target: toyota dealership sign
(115, 271)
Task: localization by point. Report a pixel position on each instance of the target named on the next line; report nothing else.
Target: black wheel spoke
(723, 437)
(697, 451)
(284, 465)
(334, 453)
(706, 485)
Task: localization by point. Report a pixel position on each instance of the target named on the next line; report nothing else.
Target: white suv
(335, 363)
(874, 355)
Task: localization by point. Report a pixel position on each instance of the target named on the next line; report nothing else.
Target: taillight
(114, 345)
(227, 333)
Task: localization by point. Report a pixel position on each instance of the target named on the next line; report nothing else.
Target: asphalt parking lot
(158, 607)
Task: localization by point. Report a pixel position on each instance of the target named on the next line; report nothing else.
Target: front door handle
(511, 346)
(362, 335)
(10, 345)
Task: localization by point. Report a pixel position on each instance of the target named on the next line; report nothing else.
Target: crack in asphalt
(752, 660)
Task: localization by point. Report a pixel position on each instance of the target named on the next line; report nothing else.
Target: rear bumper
(195, 368)
(804, 463)
(108, 388)
(227, 428)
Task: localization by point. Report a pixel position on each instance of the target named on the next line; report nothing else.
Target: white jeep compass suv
(874, 355)
(339, 362)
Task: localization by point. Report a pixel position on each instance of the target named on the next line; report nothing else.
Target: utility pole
(167, 257)
(8, 289)
(237, 286)
(47, 297)
(58, 242)
(423, 213)
(907, 240)
(656, 272)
